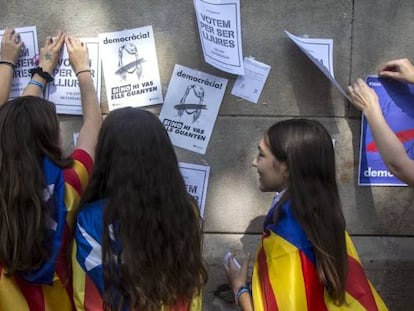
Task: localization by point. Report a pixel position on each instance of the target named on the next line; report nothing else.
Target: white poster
(191, 106)
(250, 85)
(130, 68)
(26, 61)
(219, 27)
(64, 90)
(320, 52)
(196, 182)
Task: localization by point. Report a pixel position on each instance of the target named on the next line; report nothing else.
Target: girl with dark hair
(138, 235)
(40, 188)
(306, 259)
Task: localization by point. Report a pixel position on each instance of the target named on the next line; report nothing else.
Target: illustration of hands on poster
(26, 61)
(64, 90)
(191, 106)
(196, 182)
(320, 52)
(396, 100)
(130, 68)
(219, 26)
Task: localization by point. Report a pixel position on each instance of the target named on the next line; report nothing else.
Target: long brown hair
(29, 130)
(307, 149)
(136, 171)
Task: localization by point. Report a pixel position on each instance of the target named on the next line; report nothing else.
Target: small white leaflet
(250, 85)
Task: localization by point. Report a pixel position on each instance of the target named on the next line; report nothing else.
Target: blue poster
(397, 104)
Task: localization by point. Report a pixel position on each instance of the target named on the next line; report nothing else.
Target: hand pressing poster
(191, 106)
(26, 61)
(396, 101)
(64, 90)
(219, 27)
(130, 68)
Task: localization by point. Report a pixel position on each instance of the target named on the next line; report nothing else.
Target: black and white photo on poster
(130, 68)
(191, 107)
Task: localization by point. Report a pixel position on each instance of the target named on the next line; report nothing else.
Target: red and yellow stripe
(17, 294)
(284, 278)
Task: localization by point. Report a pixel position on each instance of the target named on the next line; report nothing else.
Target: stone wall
(366, 33)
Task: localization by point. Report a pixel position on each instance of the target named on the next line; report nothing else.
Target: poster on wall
(26, 61)
(130, 68)
(396, 100)
(196, 182)
(191, 106)
(219, 26)
(250, 85)
(64, 90)
(320, 52)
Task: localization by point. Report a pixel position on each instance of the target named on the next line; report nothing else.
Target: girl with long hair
(138, 235)
(306, 259)
(40, 188)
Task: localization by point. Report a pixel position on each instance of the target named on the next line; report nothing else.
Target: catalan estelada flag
(88, 281)
(49, 287)
(285, 276)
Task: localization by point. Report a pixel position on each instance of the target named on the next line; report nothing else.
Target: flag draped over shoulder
(285, 276)
(49, 287)
(88, 281)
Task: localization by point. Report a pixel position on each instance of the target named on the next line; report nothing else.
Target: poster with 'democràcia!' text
(191, 107)
(219, 26)
(130, 68)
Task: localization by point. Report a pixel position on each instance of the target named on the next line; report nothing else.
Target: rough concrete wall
(366, 33)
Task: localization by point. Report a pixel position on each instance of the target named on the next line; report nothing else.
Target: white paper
(219, 26)
(26, 61)
(64, 90)
(250, 85)
(130, 68)
(196, 182)
(191, 106)
(320, 52)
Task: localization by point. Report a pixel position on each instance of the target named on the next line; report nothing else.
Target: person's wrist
(81, 71)
(242, 290)
(12, 65)
(44, 74)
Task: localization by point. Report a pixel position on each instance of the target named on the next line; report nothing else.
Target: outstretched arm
(399, 69)
(11, 46)
(92, 119)
(49, 55)
(389, 146)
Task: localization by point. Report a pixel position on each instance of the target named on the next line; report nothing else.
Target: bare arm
(92, 118)
(49, 55)
(389, 146)
(11, 46)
